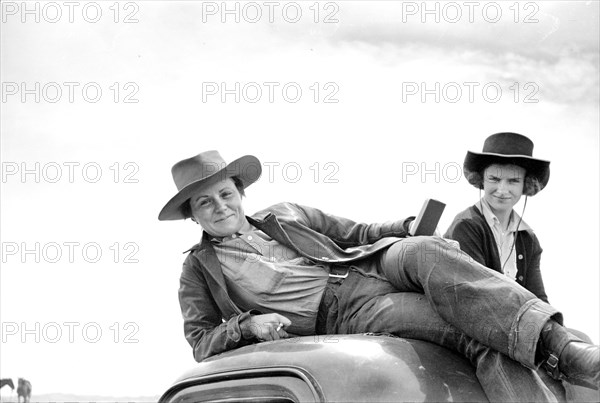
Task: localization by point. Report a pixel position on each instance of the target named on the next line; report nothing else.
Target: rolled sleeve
(234, 332)
(238, 327)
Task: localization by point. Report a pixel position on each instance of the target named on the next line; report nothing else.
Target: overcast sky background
(361, 157)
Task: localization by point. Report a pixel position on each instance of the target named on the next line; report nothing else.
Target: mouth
(224, 218)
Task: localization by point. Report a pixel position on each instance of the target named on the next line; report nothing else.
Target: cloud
(558, 26)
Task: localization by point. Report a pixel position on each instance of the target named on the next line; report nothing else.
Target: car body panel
(340, 368)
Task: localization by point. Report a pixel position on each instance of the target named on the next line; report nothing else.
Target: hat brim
(248, 168)
(476, 162)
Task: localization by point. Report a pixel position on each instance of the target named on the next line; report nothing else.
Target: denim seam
(506, 384)
(513, 336)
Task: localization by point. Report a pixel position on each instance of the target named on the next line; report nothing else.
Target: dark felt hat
(506, 148)
(203, 169)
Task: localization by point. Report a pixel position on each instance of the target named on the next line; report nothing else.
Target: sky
(363, 110)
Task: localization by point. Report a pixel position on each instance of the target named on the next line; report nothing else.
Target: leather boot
(568, 358)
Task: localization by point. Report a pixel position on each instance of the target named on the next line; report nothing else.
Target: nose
(502, 187)
(220, 205)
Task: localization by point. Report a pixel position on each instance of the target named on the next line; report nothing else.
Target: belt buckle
(340, 275)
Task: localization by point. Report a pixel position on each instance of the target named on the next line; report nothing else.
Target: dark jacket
(212, 320)
(476, 238)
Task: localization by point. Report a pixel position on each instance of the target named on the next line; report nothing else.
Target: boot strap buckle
(552, 361)
(551, 366)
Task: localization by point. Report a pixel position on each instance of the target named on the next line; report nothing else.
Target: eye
(227, 194)
(204, 202)
(515, 180)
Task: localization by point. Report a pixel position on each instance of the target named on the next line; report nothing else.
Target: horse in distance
(7, 381)
(24, 390)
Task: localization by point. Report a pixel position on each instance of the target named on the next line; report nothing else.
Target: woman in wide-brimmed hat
(292, 268)
(490, 231)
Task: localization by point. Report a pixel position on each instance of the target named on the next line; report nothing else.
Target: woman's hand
(266, 327)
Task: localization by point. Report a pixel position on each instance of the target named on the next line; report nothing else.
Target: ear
(475, 179)
(531, 186)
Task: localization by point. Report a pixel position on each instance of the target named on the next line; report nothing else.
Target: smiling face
(503, 186)
(218, 208)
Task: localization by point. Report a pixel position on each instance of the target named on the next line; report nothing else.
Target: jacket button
(520, 278)
(249, 237)
(520, 257)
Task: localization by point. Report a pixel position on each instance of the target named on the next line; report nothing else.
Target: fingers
(275, 331)
(270, 327)
(273, 335)
(285, 322)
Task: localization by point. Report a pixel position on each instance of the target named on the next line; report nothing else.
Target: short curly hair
(531, 186)
(186, 207)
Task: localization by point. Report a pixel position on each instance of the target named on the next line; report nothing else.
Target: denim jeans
(423, 288)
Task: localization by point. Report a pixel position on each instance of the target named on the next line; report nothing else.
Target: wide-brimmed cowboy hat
(506, 148)
(203, 169)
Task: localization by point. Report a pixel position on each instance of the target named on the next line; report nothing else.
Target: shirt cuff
(241, 326)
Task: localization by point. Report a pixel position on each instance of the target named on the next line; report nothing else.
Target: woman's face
(218, 208)
(503, 186)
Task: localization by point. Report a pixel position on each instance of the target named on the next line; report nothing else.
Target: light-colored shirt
(504, 238)
(265, 275)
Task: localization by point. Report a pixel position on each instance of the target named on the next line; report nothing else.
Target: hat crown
(197, 168)
(508, 144)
